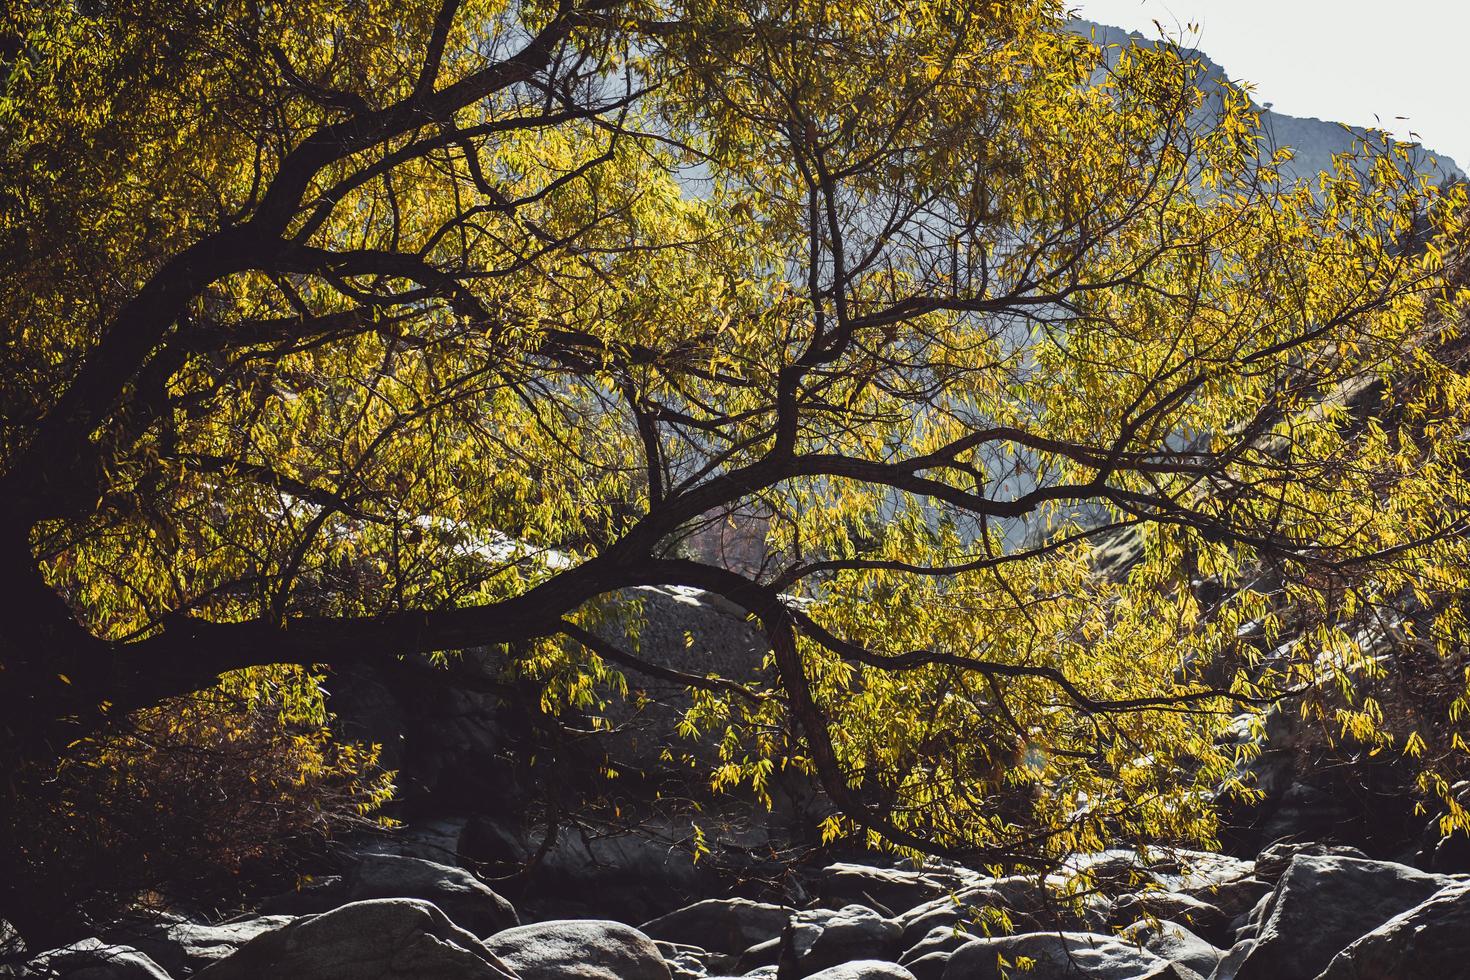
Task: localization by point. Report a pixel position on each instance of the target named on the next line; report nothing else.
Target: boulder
(820, 938)
(1028, 902)
(383, 939)
(1323, 903)
(1235, 900)
(468, 902)
(941, 939)
(1274, 860)
(92, 959)
(1171, 941)
(760, 955)
(930, 966)
(579, 949)
(1061, 956)
(185, 948)
(891, 889)
(864, 970)
(1230, 962)
(1202, 918)
(1429, 940)
(723, 925)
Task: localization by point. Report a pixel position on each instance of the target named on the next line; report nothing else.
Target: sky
(1362, 62)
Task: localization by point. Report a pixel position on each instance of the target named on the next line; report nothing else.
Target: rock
(821, 938)
(941, 939)
(1027, 901)
(1429, 940)
(12, 946)
(468, 902)
(686, 966)
(864, 970)
(692, 961)
(1323, 903)
(632, 876)
(579, 949)
(1202, 918)
(1274, 860)
(383, 939)
(724, 925)
(760, 955)
(930, 966)
(1193, 871)
(1171, 941)
(1061, 956)
(92, 959)
(185, 948)
(436, 840)
(892, 890)
(1230, 962)
(1235, 899)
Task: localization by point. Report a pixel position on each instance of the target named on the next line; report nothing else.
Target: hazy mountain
(1313, 140)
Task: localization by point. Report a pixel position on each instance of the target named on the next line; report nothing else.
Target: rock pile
(1297, 912)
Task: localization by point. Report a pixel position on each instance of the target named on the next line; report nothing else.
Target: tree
(340, 332)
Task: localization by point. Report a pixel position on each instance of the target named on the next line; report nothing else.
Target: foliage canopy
(338, 331)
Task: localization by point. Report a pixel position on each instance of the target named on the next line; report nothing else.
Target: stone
(941, 939)
(1274, 860)
(92, 959)
(185, 948)
(1023, 898)
(864, 970)
(821, 938)
(468, 902)
(723, 925)
(381, 939)
(1061, 956)
(930, 966)
(1323, 903)
(1429, 940)
(1230, 962)
(579, 949)
(1173, 942)
(1199, 916)
(893, 890)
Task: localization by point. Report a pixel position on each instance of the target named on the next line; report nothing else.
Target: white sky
(1342, 60)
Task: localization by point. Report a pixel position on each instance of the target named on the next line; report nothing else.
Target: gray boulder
(185, 948)
(891, 889)
(927, 958)
(1272, 863)
(1323, 903)
(579, 949)
(820, 938)
(384, 939)
(723, 925)
(1202, 918)
(1429, 940)
(931, 966)
(1061, 956)
(1171, 941)
(864, 970)
(468, 902)
(92, 959)
(941, 939)
(1230, 962)
(1027, 901)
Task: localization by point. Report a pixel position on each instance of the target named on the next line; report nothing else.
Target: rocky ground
(1296, 912)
